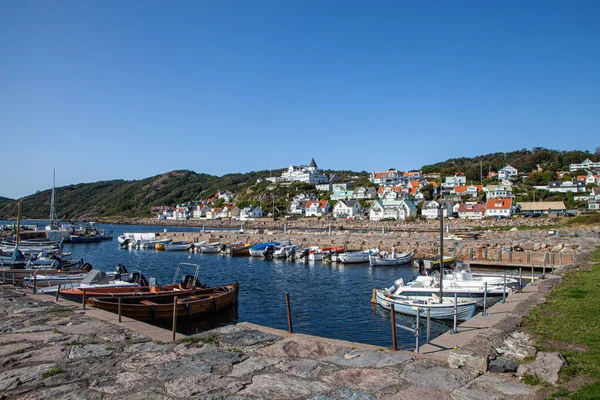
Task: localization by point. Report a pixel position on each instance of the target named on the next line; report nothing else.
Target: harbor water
(328, 300)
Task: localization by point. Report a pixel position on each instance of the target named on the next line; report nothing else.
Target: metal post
(441, 255)
(119, 309)
(471, 253)
(34, 283)
(454, 329)
(14, 281)
(528, 256)
(83, 299)
(393, 314)
(417, 330)
(543, 272)
(520, 278)
(58, 292)
(174, 315)
(500, 255)
(532, 277)
(382, 230)
(553, 259)
(510, 256)
(559, 260)
(485, 313)
(289, 312)
(504, 290)
(485, 252)
(428, 324)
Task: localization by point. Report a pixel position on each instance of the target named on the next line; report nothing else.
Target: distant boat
(399, 259)
(173, 246)
(355, 257)
(211, 247)
(434, 262)
(258, 249)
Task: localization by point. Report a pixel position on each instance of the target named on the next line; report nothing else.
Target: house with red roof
(317, 208)
(499, 207)
(390, 177)
(471, 211)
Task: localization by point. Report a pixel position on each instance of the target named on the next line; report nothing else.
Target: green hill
(128, 198)
(4, 201)
(523, 160)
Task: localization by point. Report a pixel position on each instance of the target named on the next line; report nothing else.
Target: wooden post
(289, 312)
(34, 283)
(119, 309)
(83, 299)
(58, 293)
(174, 315)
(393, 312)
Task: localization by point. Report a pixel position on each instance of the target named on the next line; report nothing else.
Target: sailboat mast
(52, 207)
(18, 222)
(441, 253)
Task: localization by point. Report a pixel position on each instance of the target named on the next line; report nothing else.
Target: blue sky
(129, 89)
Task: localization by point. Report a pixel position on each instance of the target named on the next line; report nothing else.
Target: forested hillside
(523, 160)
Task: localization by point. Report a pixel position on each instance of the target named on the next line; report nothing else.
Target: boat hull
(464, 310)
(147, 308)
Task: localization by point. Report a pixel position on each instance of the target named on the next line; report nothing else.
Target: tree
(427, 191)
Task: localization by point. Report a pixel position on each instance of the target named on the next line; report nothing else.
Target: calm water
(327, 300)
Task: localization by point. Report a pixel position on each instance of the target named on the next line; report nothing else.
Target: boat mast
(441, 253)
(52, 208)
(18, 222)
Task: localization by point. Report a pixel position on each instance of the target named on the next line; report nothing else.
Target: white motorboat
(438, 310)
(285, 251)
(93, 279)
(355, 257)
(211, 247)
(391, 259)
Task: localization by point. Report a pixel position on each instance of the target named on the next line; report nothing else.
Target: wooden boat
(399, 259)
(173, 246)
(188, 285)
(444, 310)
(153, 308)
(241, 249)
(70, 268)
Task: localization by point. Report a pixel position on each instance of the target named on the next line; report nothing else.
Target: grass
(74, 343)
(210, 339)
(52, 372)
(569, 322)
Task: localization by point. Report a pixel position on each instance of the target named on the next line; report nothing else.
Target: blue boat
(258, 249)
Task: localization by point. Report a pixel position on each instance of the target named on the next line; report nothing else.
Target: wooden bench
(148, 303)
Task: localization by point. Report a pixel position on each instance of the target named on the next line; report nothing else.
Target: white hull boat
(399, 259)
(210, 248)
(444, 310)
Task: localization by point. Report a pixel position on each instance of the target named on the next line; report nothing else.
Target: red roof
(460, 189)
(321, 203)
(479, 207)
(498, 204)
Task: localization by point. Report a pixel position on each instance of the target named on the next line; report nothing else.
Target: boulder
(546, 367)
(502, 365)
(466, 359)
(517, 345)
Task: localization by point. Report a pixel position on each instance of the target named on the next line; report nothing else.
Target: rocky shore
(54, 351)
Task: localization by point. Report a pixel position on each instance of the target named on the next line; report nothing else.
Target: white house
(251, 212)
(225, 195)
(496, 191)
(317, 208)
(500, 208)
(347, 209)
(456, 180)
(392, 209)
(587, 164)
(386, 178)
(342, 195)
(342, 186)
(594, 202)
(471, 211)
(364, 193)
(430, 210)
(200, 211)
(298, 207)
(303, 173)
(324, 187)
(566, 186)
(505, 173)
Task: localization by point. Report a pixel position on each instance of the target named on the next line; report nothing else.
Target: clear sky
(129, 89)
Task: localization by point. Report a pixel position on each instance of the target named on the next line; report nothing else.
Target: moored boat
(438, 310)
(391, 259)
(173, 246)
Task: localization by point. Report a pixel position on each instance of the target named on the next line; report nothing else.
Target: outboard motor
(268, 253)
(187, 282)
(125, 243)
(397, 284)
(86, 267)
(120, 269)
(139, 278)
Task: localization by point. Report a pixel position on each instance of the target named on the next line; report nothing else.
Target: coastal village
(393, 195)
